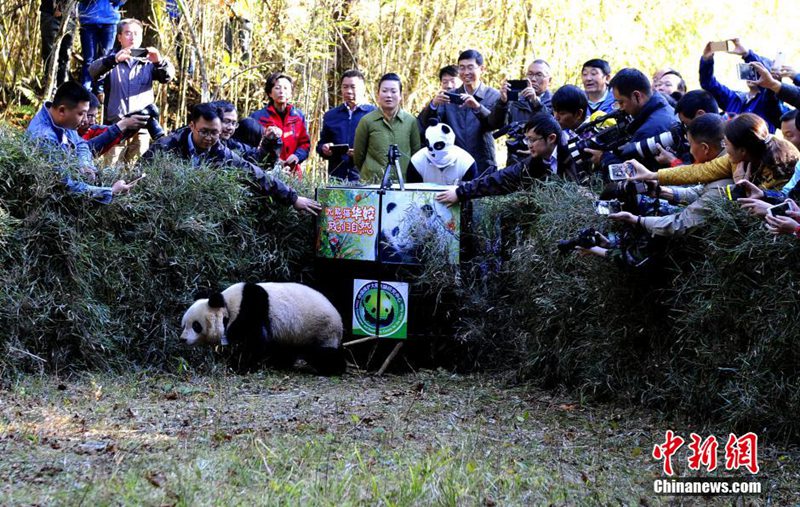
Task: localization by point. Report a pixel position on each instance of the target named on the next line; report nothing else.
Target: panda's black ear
(432, 122)
(216, 300)
(445, 129)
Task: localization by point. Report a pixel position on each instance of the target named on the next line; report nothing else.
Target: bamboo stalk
(52, 64)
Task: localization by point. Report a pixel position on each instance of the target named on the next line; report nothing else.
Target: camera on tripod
(392, 162)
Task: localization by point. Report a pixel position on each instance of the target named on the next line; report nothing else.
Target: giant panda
(278, 322)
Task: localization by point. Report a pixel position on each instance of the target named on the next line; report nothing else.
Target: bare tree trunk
(52, 63)
(345, 43)
(204, 93)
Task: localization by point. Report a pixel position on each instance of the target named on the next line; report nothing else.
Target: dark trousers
(243, 28)
(96, 42)
(49, 26)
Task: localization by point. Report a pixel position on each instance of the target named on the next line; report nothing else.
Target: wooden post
(360, 340)
(389, 359)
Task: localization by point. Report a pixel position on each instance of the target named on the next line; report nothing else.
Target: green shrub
(711, 333)
(90, 285)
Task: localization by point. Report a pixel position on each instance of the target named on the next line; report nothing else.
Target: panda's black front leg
(326, 360)
(280, 357)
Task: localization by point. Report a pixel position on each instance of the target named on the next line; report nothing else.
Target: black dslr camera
(586, 238)
(516, 136)
(153, 127)
(591, 135)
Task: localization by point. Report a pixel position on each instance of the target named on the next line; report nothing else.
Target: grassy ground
(429, 438)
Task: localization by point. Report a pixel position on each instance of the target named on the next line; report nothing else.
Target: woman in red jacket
(282, 120)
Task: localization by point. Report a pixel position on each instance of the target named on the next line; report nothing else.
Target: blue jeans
(96, 42)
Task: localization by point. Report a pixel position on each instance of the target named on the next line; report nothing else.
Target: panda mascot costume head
(275, 321)
(441, 161)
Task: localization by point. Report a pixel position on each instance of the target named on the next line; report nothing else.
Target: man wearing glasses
(469, 117)
(200, 144)
(548, 157)
(519, 105)
(256, 154)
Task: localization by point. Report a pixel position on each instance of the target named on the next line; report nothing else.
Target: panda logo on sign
(441, 161)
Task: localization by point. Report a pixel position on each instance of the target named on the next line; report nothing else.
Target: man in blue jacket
(99, 20)
(339, 126)
(54, 129)
(650, 111)
(756, 100)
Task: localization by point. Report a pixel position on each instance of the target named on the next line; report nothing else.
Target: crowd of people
(678, 149)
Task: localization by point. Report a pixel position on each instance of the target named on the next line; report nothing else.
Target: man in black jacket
(535, 98)
(200, 143)
(549, 157)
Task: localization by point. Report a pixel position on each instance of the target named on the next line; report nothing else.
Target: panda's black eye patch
(439, 145)
(390, 207)
(196, 327)
(395, 231)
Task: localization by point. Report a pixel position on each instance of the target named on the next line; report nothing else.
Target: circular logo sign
(382, 308)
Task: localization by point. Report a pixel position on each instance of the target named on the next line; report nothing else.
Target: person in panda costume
(278, 322)
(441, 161)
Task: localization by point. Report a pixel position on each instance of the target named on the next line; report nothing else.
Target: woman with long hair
(752, 154)
(755, 161)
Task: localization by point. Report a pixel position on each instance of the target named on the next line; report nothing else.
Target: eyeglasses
(530, 141)
(230, 123)
(208, 133)
(536, 75)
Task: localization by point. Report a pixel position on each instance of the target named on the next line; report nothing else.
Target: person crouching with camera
(128, 76)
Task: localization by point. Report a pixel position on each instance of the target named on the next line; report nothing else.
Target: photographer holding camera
(651, 113)
(102, 138)
(787, 93)
(755, 160)
(549, 157)
(758, 99)
(519, 101)
(54, 130)
(128, 75)
(466, 109)
(692, 105)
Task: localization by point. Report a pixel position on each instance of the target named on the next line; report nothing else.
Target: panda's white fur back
(297, 314)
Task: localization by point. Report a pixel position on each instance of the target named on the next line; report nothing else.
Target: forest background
(316, 40)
